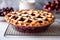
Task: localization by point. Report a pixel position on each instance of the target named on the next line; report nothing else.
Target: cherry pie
(30, 21)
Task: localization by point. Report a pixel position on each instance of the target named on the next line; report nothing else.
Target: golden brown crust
(30, 18)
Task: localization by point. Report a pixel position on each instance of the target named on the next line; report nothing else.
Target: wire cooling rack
(53, 30)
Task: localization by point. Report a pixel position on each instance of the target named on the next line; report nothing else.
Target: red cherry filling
(40, 21)
(15, 17)
(29, 21)
(39, 17)
(46, 19)
(22, 19)
(33, 14)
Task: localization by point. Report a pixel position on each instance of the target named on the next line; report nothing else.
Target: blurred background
(15, 3)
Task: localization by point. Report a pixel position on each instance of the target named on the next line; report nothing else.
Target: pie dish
(30, 21)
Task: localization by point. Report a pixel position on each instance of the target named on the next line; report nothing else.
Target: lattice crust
(30, 18)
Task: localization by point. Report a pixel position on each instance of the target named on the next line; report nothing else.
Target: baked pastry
(30, 21)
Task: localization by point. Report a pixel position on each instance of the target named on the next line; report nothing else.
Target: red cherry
(58, 10)
(49, 9)
(49, 3)
(57, 1)
(45, 6)
(53, 4)
(57, 7)
(54, 1)
(5, 13)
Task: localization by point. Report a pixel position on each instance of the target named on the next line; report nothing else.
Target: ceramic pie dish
(30, 21)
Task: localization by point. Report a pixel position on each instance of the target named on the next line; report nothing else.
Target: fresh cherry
(6, 10)
(49, 3)
(45, 6)
(55, 5)
(5, 13)
(49, 9)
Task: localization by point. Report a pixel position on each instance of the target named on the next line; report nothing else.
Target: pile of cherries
(6, 10)
(55, 5)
